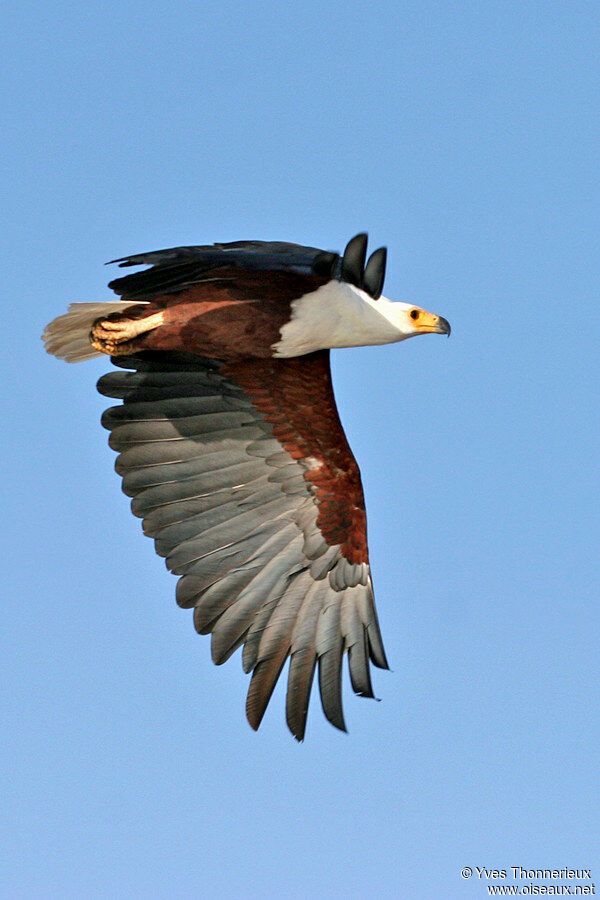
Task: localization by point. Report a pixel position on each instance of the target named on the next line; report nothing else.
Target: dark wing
(178, 268)
(243, 477)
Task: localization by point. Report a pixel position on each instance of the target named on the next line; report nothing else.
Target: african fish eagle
(231, 447)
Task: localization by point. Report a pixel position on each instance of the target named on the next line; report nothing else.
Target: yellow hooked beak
(423, 322)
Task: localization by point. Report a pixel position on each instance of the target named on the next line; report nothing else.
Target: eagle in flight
(231, 447)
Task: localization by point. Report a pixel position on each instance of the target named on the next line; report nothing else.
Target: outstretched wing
(181, 267)
(178, 268)
(243, 476)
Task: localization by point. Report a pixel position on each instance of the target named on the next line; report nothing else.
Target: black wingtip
(353, 260)
(122, 262)
(325, 264)
(375, 273)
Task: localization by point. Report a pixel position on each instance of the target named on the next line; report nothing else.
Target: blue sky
(464, 137)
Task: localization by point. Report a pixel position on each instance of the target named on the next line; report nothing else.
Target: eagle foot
(117, 337)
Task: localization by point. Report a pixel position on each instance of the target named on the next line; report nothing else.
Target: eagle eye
(414, 313)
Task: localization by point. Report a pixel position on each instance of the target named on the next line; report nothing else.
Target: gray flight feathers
(179, 267)
(235, 518)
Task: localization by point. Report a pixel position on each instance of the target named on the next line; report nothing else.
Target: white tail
(68, 336)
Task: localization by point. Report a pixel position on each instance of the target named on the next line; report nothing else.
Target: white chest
(338, 315)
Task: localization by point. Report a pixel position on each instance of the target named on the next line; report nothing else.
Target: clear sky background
(464, 137)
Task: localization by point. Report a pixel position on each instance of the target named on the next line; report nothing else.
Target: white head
(341, 315)
(409, 320)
